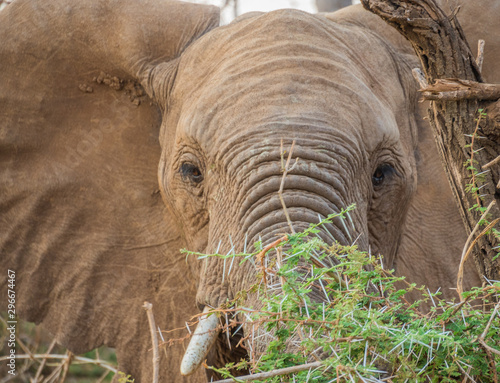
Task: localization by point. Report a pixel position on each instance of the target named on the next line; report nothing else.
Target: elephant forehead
(282, 66)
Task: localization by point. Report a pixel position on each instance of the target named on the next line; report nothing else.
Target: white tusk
(202, 340)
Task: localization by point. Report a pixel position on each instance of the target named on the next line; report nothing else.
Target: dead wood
(456, 90)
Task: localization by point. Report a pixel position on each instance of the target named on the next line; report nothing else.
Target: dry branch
(65, 367)
(270, 374)
(64, 357)
(487, 348)
(285, 168)
(491, 349)
(489, 164)
(42, 365)
(156, 356)
(467, 250)
(456, 90)
(487, 328)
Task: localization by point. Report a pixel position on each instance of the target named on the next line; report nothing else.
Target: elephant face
(282, 77)
(130, 130)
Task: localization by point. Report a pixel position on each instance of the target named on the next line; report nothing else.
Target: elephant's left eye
(381, 173)
(191, 172)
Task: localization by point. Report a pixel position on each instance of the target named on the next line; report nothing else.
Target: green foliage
(476, 177)
(124, 378)
(337, 304)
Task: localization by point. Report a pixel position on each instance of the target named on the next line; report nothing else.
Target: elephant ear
(433, 235)
(81, 221)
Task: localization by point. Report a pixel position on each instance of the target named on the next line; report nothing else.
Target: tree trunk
(466, 127)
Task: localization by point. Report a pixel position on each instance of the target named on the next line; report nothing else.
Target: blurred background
(234, 8)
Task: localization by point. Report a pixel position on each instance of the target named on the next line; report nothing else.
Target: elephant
(133, 129)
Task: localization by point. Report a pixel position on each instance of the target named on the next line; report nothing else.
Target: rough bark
(439, 42)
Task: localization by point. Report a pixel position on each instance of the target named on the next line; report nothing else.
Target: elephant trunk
(320, 184)
(323, 182)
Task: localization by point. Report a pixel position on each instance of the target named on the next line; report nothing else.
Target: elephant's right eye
(191, 172)
(381, 173)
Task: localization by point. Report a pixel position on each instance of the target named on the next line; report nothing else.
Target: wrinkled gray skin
(90, 233)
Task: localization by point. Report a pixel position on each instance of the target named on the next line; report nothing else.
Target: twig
(461, 270)
(42, 364)
(59, 356)
(263, 252)
(489, 164)
(467, 249)
(487, 348)
(459, 306)
(66, 365)
(228, 332)
(24, 347)
(467, 376)
(156, 356)
(285, 171)
(485, 332)
(480, 55)
(270, 374)
(260, 257)
(56, 372)
(163, 340)
(318, 263)
(279, 252)
(472, 157)
(483, 343)
(103, 376)
(493, 366)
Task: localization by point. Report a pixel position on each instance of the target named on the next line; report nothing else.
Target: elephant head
(130, 130)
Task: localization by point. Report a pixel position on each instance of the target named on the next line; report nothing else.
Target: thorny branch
(42, 365)
(286, 169)
(270, 374)
(467, 250)
(152, 326)
(260, 257)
